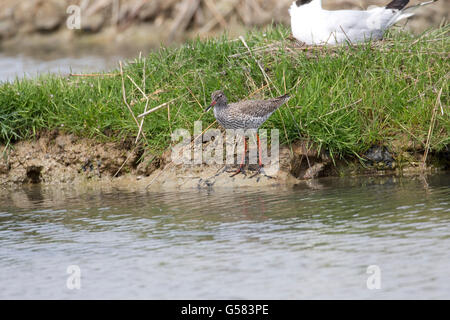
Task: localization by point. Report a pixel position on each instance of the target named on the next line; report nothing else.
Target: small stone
(145, 168)
(149, 10)
(61, 141)
(23, 10)
(6, 13)
(3, 168)
(379, 155)
(49, 16)
(92, 23)
(314, 171)
(7, 29)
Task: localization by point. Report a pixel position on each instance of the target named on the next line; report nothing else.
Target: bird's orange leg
(241, 166)
(259, 152)
(245, 152)
(260, 169)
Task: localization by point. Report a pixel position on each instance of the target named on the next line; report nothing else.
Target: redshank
(247, 114)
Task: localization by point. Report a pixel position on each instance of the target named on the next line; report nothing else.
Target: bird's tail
(405, 13)
(285, 97)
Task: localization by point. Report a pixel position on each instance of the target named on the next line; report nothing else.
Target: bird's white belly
(305, 29)
(326, 28)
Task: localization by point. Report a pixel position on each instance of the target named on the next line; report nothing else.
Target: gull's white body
(313, 25)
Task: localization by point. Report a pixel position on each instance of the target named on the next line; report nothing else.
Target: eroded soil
(57, 158)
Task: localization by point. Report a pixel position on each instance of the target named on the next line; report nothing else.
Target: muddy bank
(54, 158)
(122, 25)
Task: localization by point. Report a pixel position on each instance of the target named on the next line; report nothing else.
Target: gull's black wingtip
(397, 4)
(299, 3)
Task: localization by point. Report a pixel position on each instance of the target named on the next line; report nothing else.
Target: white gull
(313, 25)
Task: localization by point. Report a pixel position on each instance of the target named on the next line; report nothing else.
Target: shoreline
(63, 160)
(348, 103)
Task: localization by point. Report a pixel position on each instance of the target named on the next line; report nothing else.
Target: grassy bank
(345, 99)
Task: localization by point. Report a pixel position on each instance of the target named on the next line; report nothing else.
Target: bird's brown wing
(258, 108)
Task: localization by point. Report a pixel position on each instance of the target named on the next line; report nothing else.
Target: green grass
(344, 99)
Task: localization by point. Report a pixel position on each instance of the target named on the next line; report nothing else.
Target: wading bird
(247, 114)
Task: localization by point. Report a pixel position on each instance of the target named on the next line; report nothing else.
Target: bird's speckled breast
(230, 120)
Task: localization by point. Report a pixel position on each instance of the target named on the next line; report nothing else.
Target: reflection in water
(272, 243)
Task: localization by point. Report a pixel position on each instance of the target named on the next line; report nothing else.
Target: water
(262, 244)
(19, 66)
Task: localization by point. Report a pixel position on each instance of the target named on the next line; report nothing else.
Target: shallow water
(275, 243)
(20, 66)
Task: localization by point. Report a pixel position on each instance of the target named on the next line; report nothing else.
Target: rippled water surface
(273, 243)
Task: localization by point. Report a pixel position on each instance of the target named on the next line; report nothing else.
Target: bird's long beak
(210, 106)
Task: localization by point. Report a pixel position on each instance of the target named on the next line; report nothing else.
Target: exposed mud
(54, 158)
(61, 158)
